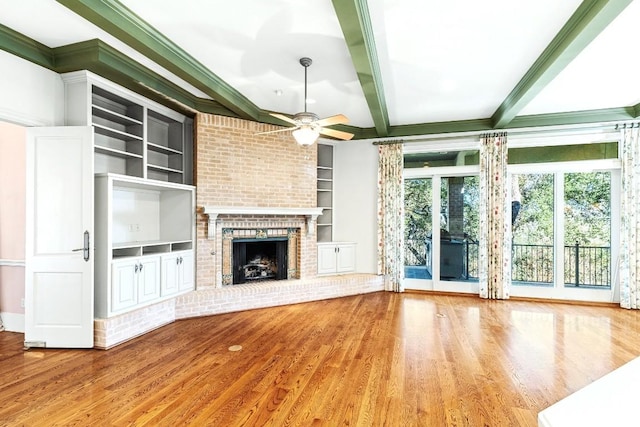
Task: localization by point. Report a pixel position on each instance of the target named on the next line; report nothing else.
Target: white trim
(566, 167)
(212, 213)
(10, 116)
(13, 322)
(447, 171)
(12, 263)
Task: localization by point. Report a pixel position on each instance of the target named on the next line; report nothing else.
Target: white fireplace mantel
(212, 212)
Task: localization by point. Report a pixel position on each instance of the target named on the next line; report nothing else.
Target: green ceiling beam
(441, 127)
(358, 33)
(636, 111)
(538, 120)
(25, 47)
(586, 23)
(574, 118)
(122, 23)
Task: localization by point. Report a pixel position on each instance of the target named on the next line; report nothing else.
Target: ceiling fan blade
(283, 118)
(338, 119)
(276, 131)
(336, 134)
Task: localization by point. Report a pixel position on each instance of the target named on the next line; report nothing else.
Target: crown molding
(26, 48)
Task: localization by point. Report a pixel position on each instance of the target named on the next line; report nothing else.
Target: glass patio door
(441, 232)
(564, 245)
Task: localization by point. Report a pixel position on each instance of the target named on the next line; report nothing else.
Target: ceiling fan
(307, 125)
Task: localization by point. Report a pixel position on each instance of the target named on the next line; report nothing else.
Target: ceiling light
(305, 135)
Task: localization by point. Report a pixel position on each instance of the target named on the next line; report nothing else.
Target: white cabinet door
(177, 272)
(326, 259)
(186, 271)
(346, 258)
(59, 238)
(124, 284)
(169, 275)
(148, 278)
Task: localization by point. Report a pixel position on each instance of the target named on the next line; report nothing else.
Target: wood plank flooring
(380, 359)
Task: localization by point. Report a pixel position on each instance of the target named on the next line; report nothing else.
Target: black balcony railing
(584, 266)
(587, 265)
(532, 263)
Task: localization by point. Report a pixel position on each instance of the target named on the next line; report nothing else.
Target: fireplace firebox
(259, 259)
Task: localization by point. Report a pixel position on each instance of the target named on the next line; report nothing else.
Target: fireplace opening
(259, 259)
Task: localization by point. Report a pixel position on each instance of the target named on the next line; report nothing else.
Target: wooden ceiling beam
(354, 19)
(586, 23)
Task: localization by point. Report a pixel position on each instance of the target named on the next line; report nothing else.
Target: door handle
(85, 248)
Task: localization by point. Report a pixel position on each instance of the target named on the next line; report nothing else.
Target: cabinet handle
(135, 269)
(140, 266)
(177, 260)
(180, 260)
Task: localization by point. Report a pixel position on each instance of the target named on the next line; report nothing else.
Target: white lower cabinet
(177, 273)
(336, 258)
(134, 281)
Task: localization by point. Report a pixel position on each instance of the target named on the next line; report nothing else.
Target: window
(587, 229)
(562, 233)
(533, 228)
(418, 220)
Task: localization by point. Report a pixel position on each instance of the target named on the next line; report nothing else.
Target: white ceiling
(439, 61)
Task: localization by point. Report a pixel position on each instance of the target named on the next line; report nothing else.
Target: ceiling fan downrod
(305, 62)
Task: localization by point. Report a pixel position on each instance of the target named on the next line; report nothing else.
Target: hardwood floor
(369, 360)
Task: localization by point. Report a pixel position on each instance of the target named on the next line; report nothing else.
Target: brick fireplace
(228, 224)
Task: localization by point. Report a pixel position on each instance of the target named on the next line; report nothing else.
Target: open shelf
(162, 149)
(116, 153)
(114, 133)
(163, 168)
(112, 116)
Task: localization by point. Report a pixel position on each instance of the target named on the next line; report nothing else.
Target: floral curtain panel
(629, 261)
(391, 216)
(495, 215)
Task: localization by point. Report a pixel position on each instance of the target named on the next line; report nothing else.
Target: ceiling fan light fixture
(305, 135)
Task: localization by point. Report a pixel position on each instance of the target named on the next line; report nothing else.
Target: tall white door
(59, 238)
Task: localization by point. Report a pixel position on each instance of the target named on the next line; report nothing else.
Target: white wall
(31, 95)
(355, 187)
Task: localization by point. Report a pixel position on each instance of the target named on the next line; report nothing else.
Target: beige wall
(12, 216)
(236, 167)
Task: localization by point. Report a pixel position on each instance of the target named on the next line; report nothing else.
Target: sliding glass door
(564, 246)
(441, 230)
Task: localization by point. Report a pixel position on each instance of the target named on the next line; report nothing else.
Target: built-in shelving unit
(133, 135)
(145, 236)
(144, 221)
(325, 192)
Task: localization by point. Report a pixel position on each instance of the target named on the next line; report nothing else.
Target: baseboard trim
(13, 322)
